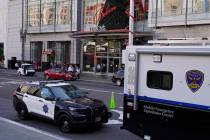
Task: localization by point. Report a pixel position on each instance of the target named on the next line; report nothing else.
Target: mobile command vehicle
(61, 102)
(167, 92)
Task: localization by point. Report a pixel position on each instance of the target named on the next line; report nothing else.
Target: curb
(40, 75)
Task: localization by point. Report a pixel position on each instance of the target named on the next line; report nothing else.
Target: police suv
(61, 102)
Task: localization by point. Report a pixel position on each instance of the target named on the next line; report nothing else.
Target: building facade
(48, 25)
(104, 33)
(38, 32)
(184, 19)
(3, 30)
(91, 33)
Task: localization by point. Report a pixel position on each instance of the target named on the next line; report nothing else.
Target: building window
(89, 56)
(160, 80)
(33, 13)
(173, 7)
(141, 10)
(48, 12)
(36, 54)
(63, 10)
(178, 7)
(61, 51)
(92, 11)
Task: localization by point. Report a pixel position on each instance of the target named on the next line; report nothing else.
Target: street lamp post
(131, 22)
(22, 33)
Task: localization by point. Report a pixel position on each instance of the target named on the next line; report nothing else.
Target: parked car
(59, 74)
(26, 69)
(118, 77)
(61, 102)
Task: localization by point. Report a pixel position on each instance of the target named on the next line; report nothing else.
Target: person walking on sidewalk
(77, 72)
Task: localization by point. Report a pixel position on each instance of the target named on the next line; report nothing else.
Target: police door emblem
(45, 109)
(194, 79)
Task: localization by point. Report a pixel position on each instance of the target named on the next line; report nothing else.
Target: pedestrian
(98, 67)
(70, 68)
(77, 72)
(16, 66)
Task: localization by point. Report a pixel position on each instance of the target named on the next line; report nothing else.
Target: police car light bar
(42, 83)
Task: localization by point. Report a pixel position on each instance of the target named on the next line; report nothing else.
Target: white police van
(167, 92)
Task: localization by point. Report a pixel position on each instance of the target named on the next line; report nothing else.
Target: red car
(57, 73)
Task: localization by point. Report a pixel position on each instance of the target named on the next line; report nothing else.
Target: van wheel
(119, 82)
(22, 112)
(64, 123)
(19, 73)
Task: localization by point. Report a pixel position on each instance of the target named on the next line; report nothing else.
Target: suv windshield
(28, 66)
(67, 92)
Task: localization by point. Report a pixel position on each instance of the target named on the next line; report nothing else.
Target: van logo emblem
(194, 79)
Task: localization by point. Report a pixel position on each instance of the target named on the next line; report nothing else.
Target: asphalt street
(9, 81)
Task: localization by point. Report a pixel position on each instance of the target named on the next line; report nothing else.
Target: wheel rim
(118, 82)
(65, 125)
(21, 113)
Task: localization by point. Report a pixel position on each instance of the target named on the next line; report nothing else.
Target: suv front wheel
(22, 112)
(64, 123)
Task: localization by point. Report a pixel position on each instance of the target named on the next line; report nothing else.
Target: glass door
(101, 64)
(114, 65)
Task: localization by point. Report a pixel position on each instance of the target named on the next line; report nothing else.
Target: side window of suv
(34, 90)
(24, 89)
(45, 93)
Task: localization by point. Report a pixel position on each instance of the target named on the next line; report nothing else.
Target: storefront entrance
(102, 58)
(55, 54)
(36, 54)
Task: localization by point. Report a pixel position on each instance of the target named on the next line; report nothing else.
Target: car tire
(47, 77)
(64, 123)
(119, 82)
(22, 112)
(64, 79)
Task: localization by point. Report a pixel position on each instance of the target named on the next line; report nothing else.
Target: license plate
(97, 119)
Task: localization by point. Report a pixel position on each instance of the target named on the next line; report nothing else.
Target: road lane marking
(94, 81)
(9, 79)
(112, 122)
(104, 91)
(32, 129)
(118, 120)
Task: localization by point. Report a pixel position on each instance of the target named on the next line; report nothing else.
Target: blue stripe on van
(174, 103)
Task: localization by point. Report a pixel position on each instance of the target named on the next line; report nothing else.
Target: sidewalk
(84, 76)
(10, 130)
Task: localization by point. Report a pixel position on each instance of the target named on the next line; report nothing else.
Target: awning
(122, 34)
